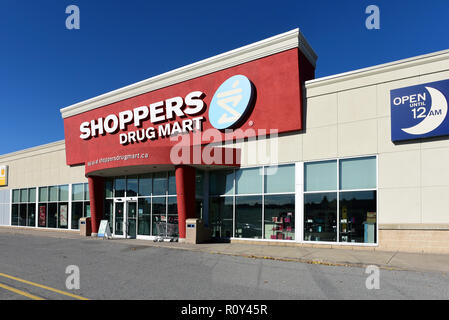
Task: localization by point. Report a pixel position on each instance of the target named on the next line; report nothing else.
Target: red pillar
(96, 195)
(185, 191)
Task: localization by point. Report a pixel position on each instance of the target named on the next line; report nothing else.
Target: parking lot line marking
(20, 292)
(43, 287)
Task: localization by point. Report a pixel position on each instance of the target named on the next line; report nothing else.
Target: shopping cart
(167, 231)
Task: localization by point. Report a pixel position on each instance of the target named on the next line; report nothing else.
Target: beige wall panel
(435, 169)
(435, 204)
(432, 77)
(384, 139)
(383, 94)
(36, 169)
(354, 81)
(399, 205)
(357, 138)
(399, 169)
(321, 111)
(320, 143)
(356, 105)
(433, 67)
(290, 148)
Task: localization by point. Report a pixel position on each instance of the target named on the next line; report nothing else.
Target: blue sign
(419, 111)
(230, 102)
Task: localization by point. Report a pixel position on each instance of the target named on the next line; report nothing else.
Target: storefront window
(63, 215)
(145, 185)
(280, 179)
(43, 194)
(23, 215)
(42, 215)
(159, 216)
(109, 212)
(77, 214)
(248, 217)
(132, 187)
(53, 193)
(32, 195)
(144, 217)
(86, 192)
(221, 182)
(172, 217)
(64, 193)
(279, 216)
(24, 207)
(15, 215)
(80, 204)
(248, 181)
(31, 214)
(320, 176)
(78, 191)
(16, 196)
(119, 187)
(160, 183)
(109, 188)
(171, 183)
(320, 217)
(220, 217)
(354, 210)
(23, 195)
(52, 215)
(358, 216)
(358, 173)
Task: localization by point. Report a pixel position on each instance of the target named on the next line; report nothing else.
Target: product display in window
(282, 226)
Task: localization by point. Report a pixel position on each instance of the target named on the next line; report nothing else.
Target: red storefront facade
(142, 130)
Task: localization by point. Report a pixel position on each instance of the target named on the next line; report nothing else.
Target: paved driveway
(34, 267)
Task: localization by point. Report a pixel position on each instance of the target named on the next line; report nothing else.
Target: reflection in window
(132, 187)
(172, 217)
(279, 217)
(248, 217)
(159, 216)
(358, 216)
(119, 187)
(144, 217)
(222, 182)
(15, 215)
(77, 214)
(220, 217)
(145, 185)
(248, 181)
(160, 183)
(320, 217)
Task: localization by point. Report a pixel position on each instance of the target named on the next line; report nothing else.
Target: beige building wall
(40, 166)
(349, 115)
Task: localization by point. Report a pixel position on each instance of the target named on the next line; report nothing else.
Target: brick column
(185, 192)
(96, 195)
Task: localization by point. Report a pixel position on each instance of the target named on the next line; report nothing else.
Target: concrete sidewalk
(332, 257)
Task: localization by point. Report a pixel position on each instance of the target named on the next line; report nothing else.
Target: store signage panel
(420, 111)
(248, 100)
(3, 176)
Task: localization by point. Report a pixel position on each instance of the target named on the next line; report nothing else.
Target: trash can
(85, 227)
(196, 232)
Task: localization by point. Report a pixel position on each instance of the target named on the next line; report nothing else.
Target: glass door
(131, 223)
(119, 217)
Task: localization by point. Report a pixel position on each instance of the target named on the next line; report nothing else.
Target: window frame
(338, 190)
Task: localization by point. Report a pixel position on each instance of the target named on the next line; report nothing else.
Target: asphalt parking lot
(34, 267)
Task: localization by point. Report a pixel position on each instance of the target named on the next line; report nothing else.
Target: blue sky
(44, 66)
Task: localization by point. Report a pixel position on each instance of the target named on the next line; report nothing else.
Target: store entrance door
(131, 215)
(125, 218)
